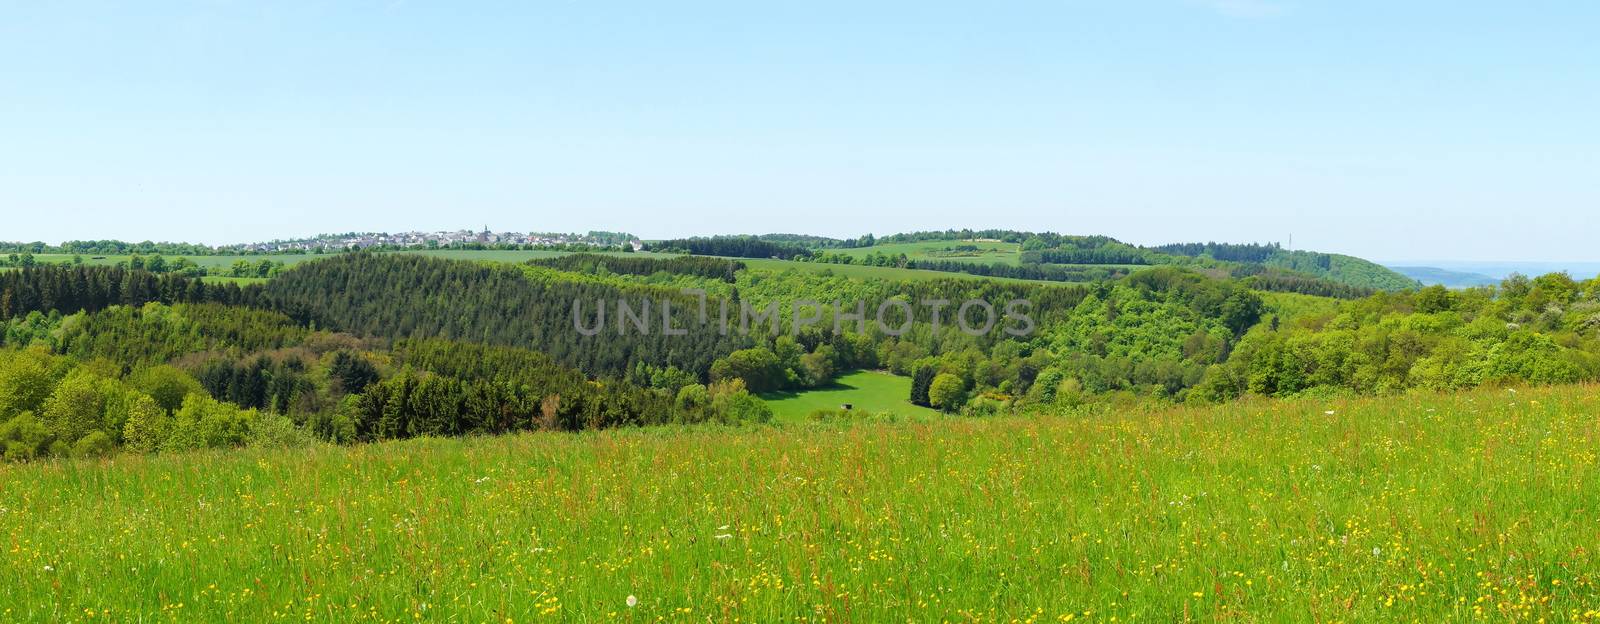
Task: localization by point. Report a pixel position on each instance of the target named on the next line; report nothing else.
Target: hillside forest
(379, 345)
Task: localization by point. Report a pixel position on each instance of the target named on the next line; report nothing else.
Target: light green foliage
(731, 403)
(36, 328)
(26, 379)
(166, 384)
(204, 422)
(74, 408)
(147, 426)
(691, 402)
(23, 437)
(78, 405)
(95, 444)
(275, 431)
(947, 391)
(1526, 331)
(759, 368)
(741, 407)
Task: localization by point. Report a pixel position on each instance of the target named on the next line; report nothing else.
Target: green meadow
(987, 252)
(1428, 508)
(876, 392)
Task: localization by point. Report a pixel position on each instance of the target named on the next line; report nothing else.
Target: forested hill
(1049, 256)
(1336, 267)
(407, 296)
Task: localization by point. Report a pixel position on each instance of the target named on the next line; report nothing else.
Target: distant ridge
(1432, 276)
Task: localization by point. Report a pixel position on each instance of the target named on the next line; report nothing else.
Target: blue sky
(1396, 131)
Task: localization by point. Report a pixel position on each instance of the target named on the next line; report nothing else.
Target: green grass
(1477, 506)
(872, 391)
(989, 252)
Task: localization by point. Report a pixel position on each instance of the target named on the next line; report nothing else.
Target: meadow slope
(1426, 508)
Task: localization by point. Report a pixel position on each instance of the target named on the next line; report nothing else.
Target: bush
(24, 437)
(167, 385)
(275, 431)
(78, 405)
(147, 427)
(95, 444)
(26, 379)
(731, 403)
(204, 422)
(947, 392)
(692, 402)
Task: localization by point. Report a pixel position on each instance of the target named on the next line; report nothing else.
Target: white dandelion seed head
(633, 601)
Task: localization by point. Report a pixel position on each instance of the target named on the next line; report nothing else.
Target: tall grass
(1423, 508)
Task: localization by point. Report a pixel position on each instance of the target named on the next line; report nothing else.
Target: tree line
(713, 268)
(731, 246)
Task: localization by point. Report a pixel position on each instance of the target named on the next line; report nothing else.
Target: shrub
(78, 405)
(147, 426)
(947, 392)
(24, 437)
(204, 422)
(167, 385)
(276, 431)
(95, 444)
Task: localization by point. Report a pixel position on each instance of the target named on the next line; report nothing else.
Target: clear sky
(1391, 130)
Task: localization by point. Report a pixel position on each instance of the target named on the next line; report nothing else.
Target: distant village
(458, 238)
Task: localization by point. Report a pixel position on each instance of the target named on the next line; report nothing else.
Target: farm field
(872, 391)
(1478, 505)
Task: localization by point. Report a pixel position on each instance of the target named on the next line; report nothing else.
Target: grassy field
(1480, 505)
(873, 391)
(989, 252)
